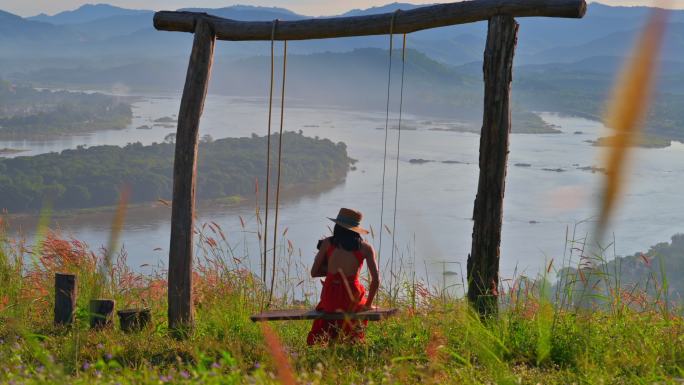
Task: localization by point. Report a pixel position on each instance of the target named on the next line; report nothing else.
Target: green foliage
(644, 280)
(26, 113)
(93, 177)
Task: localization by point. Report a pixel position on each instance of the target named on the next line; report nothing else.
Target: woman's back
(339, 260)
(346, 262)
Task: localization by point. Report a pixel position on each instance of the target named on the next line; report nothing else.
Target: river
(435, 199)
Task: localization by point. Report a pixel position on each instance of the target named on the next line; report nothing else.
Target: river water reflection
(546, 193)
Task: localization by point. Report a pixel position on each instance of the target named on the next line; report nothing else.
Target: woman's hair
(346, 239)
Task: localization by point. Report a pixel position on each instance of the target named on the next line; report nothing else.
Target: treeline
(93, 177)
(26, 113)
(586, 94)
(656, 273)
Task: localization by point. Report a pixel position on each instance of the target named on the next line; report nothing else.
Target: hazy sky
(307, 7)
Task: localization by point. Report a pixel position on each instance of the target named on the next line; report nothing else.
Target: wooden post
(180, 312)
(65, 298)
(483, 261)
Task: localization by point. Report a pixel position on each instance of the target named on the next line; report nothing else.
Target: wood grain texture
(180, 309)
(483, 261)
(433, 16)
(101, 313)
(66, 288)
(131, 320)
(303, 314)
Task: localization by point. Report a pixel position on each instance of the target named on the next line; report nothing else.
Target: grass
(540, 335)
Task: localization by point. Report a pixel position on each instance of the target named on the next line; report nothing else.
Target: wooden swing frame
(483, 262)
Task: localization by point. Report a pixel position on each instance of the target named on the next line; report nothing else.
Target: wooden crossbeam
(303, 314)
(434, 16)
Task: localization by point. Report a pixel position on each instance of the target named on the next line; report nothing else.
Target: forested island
(644, 141)
(93, 177)
(27, 113)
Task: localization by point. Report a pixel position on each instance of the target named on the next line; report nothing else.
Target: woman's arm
(320, 267)
(375, 276)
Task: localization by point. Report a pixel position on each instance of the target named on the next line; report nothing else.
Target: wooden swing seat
(304, 314)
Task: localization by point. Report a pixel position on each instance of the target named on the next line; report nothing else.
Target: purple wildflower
(215, 365)
(185, 374)
(86, 365)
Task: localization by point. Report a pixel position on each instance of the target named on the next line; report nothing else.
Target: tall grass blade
(626, 112)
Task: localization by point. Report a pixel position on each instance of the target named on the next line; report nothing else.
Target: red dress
(336, 297)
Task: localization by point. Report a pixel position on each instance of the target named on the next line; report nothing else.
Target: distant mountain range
(564, 65)
(87, 13)
(127, 35)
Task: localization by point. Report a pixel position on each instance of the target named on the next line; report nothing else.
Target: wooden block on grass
(101, 313)
(132, 320)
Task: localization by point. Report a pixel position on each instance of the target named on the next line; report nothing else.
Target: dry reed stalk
(275, 348)
(117, 227)
(627, 110)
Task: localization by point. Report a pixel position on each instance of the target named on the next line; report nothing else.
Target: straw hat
(351, 220)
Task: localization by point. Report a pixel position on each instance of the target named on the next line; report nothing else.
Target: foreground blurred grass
(534, 340)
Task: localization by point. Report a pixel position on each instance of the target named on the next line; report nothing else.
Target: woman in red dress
(339, 260)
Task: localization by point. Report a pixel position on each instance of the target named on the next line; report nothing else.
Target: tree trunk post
(483, 261)
(66, 288)
(180, 311)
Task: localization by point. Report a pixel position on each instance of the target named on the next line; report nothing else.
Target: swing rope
(268, 153)
(396, 179)
(280, 160)
(298, 314)
(387, 111)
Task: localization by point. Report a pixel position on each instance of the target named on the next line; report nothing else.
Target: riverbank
(10, 151)
(644, 141)
(143, 214)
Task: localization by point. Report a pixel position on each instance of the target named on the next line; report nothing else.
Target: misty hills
(14, 31)
(87, 13)
(357, 78)
(245, 12)
(564, 65)
(104, 30)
